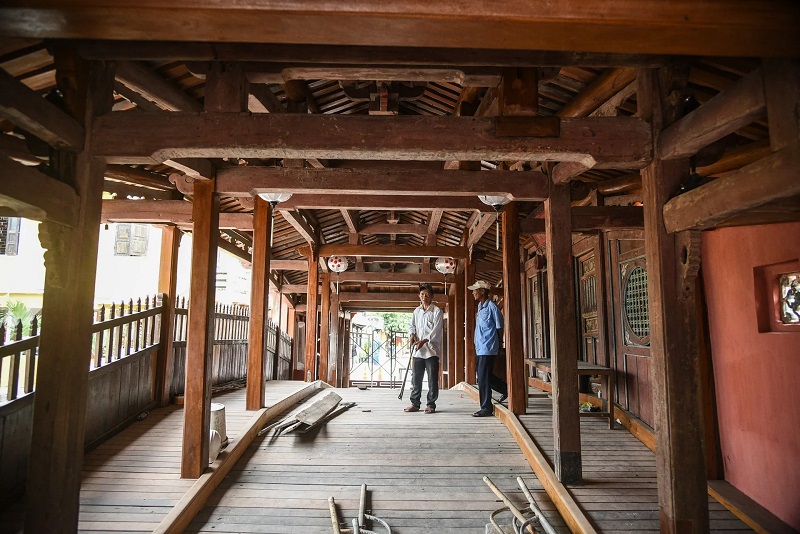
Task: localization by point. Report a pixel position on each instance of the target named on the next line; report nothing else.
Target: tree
(395, 321)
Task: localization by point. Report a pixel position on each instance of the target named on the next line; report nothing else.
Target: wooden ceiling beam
(303, 226)
(25, 192)
(261, 99)
(392, 250)
(148, 83)
(178, 212)
(615, 142)
(592, 218)
(482, 226)
(384, 202)
(598, 92)
(767, 180)
(711, 28)
(352, 297)
(375, 277)
(357, 55)
(139, 177)
(351, 219)
(239, 181)
(387, 228)
(26, 109)
(727, 112)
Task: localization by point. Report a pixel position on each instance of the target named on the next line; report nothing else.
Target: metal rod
(511, 506)
(334, 516)
(405, 377)
(548, 528)
(362, 505)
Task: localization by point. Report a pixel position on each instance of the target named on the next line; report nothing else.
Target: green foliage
(395, 321)
(16, 311)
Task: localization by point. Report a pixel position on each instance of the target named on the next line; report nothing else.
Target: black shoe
(482, 413)
(503, 397)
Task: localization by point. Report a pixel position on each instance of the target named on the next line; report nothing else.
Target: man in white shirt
(426, 335)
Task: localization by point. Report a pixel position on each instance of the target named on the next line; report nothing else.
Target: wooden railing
(18, 360)
(123, 329)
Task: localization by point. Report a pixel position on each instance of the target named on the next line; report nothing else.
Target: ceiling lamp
(497, 202)
(275, 198)
(338, 264)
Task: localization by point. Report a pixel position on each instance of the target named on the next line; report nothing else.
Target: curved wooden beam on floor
(572, 514)
(191, 503)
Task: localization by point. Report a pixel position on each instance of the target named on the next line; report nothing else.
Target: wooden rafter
(25, 192)
(392, 250)
(178, 212)
(303, 226)
(385, 202)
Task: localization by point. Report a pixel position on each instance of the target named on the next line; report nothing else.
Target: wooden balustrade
(18, 359)
(129, 329)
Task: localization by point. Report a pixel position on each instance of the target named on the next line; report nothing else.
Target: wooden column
(458, 321)
(56, 453)
(259, 305)
(334, 352)
(512, 294)
(677, 409)
(291, 328)
(200, 335)
(469, 323)
(563, 336)
(311, 317)
(451, 337)
(345, 379)
(167, 285)
(325, 328)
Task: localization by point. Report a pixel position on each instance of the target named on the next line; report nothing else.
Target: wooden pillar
(311, 317)
(59, 413)
(325, 328)
(458, 322)
(515, 359)
(677, 409)
(334, 354)
(200, 335)
(451, 337)
(291, 328)
(259, 305)
(563, 336)
(167, 285)
(469, 324)
(345, 379)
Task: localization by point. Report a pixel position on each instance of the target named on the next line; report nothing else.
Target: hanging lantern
(497, 202)
(338, 264)
(275, 198)
(445, 266)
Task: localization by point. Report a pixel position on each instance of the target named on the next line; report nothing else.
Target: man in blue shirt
(488, 331)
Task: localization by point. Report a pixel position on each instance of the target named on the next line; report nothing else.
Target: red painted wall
(757, 375)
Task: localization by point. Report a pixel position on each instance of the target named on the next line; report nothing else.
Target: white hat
(480, 284)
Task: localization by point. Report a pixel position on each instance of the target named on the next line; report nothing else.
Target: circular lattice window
(637, 315)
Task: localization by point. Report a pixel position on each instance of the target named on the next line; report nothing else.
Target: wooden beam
(782, 88)
(483, 225)
(303, 226)
(730, 110)
(148, 83)
(25, 192)
(311, 317)
(177, 212)
(139, 177)
(385, 202)
(387, 228)
(592, 218)
(672, 263)
(34, 114)
(433, 222)
(770, 179)
(288, 265)
(470, 373)
(598, 92)
(512, 313)
(259, 306)
(458, 325)
(167, 286)
(57, 435)
(615, 142)
(519, 93)
(238, 181)
(263, 100)
(351, 297)
(563, 337)
(624, 27)
(351, 219)
(411, 278)
(566, 171)
(392, 250)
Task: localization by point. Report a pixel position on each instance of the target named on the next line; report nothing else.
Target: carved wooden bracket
(183, 182)
(55, 239)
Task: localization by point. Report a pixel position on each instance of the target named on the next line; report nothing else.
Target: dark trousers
(488, 381)
(420, 367)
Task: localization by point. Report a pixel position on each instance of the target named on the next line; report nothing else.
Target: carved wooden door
(629, 314)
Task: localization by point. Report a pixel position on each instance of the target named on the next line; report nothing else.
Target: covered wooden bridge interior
(617, 132)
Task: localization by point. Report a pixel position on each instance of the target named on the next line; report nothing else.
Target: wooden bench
(584, 368)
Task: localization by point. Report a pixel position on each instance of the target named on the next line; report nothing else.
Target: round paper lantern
(338, 264)
(446, 265)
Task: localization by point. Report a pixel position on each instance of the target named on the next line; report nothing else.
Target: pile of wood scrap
(318, 413)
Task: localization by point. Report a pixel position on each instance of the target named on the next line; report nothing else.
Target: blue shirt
(488, 321)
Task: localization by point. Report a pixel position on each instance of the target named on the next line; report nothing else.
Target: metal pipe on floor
(548, 528)
(508, 503)
(362, 505)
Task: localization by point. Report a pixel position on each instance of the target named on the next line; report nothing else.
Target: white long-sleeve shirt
(428, 324)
